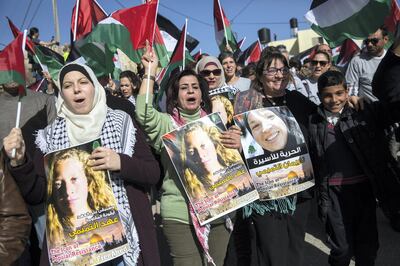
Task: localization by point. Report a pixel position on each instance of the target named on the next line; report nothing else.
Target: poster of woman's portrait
(81, 210)
(214, 178)
(276, 152)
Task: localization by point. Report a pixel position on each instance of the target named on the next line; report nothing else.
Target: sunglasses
(215, 72)
(272, 71)
(321, 63)
(374, 41)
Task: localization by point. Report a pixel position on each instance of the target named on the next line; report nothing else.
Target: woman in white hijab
(82, 116)
(220, 93)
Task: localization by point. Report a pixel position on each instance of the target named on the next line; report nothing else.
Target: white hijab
(83, 128)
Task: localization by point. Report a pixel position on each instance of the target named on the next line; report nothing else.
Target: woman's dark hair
(248, 70)
(265, 62)
(296, 63)
(33, 31)
(267, 50)
(224, 55)
(331, 78)
(133, 78)
(173, 90)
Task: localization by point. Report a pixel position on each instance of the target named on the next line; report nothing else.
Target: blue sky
(246, 16)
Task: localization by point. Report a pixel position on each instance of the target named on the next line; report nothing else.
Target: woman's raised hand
(149, 56)
(104, 158)
(14, 140)
(231, 138)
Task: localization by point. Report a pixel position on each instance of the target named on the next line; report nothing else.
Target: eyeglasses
(215, 72)
(374, 41)
(321, 63)
(272, 71)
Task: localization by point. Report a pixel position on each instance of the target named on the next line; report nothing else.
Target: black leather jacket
(15, 222)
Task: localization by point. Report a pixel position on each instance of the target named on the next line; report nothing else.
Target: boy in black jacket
(352, 167)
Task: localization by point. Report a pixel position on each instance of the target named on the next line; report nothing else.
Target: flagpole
(241, 44)
(24, 41)
(40, 63)
(223, 23)
(184, 44)
(155, 25)
(76, 19)
(151, 49)
(17, 120)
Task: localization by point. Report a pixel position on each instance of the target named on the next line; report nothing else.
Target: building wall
(305, 40)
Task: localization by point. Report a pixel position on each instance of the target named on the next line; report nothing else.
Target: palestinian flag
(394, 17)
(89, 14)
(197, 56)
(160, 49)
(179, 59)
(251, 55)
(347, 51)
(15, 31)
(99, 56)
(12, 68)
(141, 23)
(49, 60)
(223, 30)
(171, 34)
(111, 32)
(338, 20)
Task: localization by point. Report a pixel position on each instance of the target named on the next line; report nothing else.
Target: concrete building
(304, 40)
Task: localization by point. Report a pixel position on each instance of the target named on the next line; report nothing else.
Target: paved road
(316, 251)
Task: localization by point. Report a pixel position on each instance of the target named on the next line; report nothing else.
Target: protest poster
(215, 178)
(83, 226)
(275, 151)
(224, 96)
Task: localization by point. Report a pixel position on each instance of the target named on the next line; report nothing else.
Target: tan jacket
(15, 222)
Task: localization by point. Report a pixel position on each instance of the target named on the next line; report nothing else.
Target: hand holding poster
(83, 226)
(215, 178)
(275, 152)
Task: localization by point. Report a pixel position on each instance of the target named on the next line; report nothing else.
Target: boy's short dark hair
(331, 78)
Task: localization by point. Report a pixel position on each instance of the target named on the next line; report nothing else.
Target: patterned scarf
(119, 134)
(202, 232)
(229, 90)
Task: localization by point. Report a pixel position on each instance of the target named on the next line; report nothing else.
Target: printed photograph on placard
(275, 151)
(214, 178)
(83, 226)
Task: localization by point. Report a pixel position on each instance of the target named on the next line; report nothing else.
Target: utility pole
(56, 26)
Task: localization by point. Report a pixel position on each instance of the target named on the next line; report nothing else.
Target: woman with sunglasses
(221, 94)
(320, 63)
(279, 224)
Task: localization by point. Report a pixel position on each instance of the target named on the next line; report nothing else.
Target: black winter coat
(364, 134)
